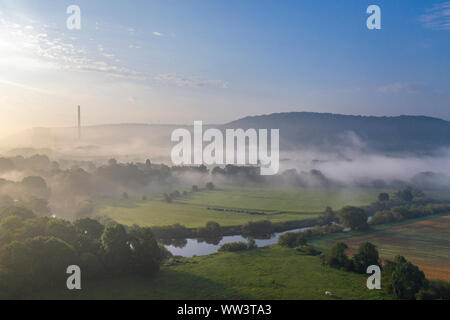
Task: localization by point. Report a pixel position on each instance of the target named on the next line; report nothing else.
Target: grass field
(425, 242)
(265, 273)
(192, 211)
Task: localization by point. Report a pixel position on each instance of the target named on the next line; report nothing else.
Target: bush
(437, 290)
(399, 213)
(309, 250)
(251, 244)
(337, 257)
(292, 239)
(233, 247)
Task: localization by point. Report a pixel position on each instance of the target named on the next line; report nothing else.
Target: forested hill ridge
(323, 132)
(415, 134)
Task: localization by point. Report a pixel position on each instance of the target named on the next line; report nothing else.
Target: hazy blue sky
(218, 60)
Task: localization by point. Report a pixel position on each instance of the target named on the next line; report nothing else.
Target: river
(194, 247)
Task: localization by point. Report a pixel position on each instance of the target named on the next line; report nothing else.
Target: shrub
(309, 250)
(436, 290)
(251, 244)
(292, 239)
(233, 247)
(337, 257)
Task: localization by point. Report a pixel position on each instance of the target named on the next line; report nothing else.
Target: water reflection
(200, 247)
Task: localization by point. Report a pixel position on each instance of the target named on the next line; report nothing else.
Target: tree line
(35, 251)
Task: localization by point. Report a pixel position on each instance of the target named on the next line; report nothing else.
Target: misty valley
(155, 230)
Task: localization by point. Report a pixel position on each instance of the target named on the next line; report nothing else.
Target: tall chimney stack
(79, 122)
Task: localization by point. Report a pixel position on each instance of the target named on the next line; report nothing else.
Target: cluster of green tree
(404, 212)
(354, 218)
(30, 187)
(366, 256)
(400, 277)
(435, 290)
(328, 217)
(212, 233)
(319, 231)
(239, 174)
(35, 163)
(211, 230)
(36, 251)
(405, 196)
(263, 229)
(38, 205)
(299, 239)
(238, 246)
(406, 281)
(292, 239)
(169, 197)
(171, 234)
(190, 169)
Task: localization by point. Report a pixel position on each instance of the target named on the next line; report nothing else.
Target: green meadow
(278, 205)
(264, 273)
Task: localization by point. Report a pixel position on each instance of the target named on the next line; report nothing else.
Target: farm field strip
(425, 242)
(278, 205)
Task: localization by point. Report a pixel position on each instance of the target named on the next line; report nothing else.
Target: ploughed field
(264, 273)
(425, 242)
(230, 206)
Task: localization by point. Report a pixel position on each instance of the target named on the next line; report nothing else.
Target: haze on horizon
(218, 61)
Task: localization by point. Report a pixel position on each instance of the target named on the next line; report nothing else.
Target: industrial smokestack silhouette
(79, 123)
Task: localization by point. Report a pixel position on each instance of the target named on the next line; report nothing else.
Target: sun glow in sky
(180, 61)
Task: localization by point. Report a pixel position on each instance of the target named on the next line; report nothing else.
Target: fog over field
(354, 166)
(343, 157)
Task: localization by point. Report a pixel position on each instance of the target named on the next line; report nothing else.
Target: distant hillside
(324, 131)
(414, 134)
